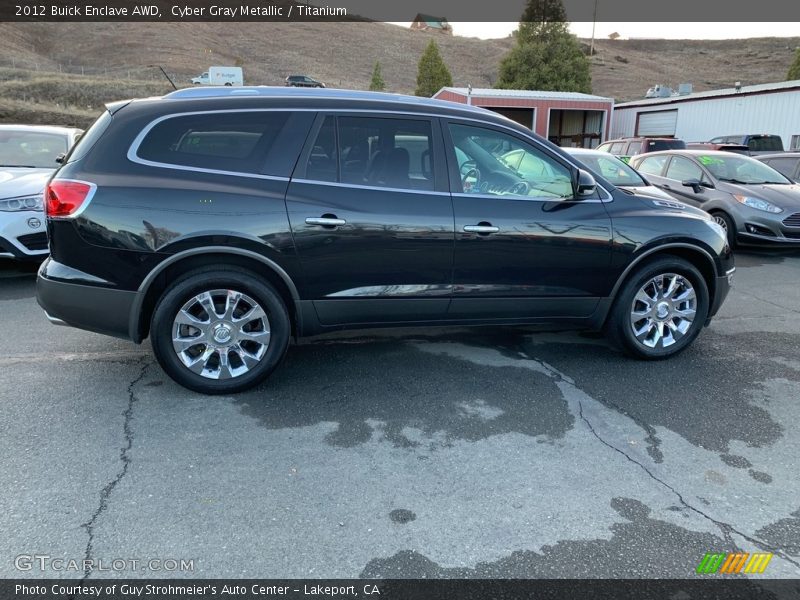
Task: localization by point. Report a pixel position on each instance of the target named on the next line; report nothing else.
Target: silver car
(753, 202)
(618, 172)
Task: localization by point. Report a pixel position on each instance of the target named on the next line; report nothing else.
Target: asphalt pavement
(454, 453)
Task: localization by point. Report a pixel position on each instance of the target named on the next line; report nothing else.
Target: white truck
(231, 76)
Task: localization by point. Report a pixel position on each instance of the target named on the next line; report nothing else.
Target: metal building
(565, 118)
(772, 108)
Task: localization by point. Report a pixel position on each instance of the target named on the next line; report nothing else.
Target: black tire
(619, 327)
(215, 278)
(726, 221)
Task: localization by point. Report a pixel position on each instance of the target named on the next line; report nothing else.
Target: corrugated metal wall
(701, 120)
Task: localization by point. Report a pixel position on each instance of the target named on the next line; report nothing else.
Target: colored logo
(734, 563)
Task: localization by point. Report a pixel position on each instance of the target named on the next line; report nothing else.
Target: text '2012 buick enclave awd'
(220, 223)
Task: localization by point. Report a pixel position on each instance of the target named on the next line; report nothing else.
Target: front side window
(374, 151)
(681, 169)
(497, 164)
(652, 165)
(612, 169)
(237, 142)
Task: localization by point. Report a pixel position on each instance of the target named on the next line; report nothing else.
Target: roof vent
(738, 86)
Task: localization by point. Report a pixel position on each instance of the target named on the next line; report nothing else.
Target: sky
(700, 31)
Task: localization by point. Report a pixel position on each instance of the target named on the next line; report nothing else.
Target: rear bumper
(82, 305)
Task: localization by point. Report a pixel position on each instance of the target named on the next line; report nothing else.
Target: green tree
(432, 73)
(546, 56)
(794, 70)
(377, 84)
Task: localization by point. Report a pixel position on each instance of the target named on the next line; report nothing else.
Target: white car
(28, 156)
(618, 172)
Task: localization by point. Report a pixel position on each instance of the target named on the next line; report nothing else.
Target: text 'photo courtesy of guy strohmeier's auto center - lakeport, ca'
(415, 300)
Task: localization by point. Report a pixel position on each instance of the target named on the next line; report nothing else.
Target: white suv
(28, 156)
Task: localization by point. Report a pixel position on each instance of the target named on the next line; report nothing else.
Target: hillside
(42, 75)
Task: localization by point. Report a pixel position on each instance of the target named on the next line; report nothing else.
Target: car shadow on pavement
(392, 386)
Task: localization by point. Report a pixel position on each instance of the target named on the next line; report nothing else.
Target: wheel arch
(697, 256)
(156, 282)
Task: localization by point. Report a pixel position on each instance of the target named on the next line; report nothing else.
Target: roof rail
(267, 91)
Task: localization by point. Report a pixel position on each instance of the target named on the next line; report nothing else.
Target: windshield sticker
(710, 160)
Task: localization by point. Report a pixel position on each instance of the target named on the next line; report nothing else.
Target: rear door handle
(325, 221)
(483, 228)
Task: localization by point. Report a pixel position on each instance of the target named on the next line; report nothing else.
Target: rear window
(240, 142)
(657, 145)
(765, 143)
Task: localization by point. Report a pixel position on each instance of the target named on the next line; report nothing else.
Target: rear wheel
(218, 331)
(660, 309)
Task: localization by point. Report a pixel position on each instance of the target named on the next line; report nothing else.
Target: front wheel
(218, 331)
(660, 309)
(726, 222)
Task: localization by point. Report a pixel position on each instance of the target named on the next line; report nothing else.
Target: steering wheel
(471, 173)
(519, 189)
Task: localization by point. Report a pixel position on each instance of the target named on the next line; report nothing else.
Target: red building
(565, 118)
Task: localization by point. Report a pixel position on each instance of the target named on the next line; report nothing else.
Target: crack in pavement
(105, 493)
(775, 304)
(726, 528)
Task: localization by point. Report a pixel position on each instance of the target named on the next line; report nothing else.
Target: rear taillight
(66, 197)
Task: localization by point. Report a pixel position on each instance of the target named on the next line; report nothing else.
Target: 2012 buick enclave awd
(222, 222)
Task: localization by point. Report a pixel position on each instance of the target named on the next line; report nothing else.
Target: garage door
(657, 123)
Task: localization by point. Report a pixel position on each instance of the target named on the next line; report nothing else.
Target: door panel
(383, 251)
(534, 253)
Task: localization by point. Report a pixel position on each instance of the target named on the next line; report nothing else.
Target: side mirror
(60, 158)
(585, 185)
(695, 184)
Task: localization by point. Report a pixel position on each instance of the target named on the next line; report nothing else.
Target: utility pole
(594, 22)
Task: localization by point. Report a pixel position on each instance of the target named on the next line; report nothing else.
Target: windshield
(19, 148)
(612, 169)
(741, 169)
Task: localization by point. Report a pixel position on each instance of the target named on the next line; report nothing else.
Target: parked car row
(28, 157)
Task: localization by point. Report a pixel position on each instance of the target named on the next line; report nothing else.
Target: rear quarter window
(652, 165)
(88, 139)
(257, 142)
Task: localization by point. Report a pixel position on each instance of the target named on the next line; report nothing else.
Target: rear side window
(785, 166)
(373, 151)
(652, 165)
(616, 148)
(241, 142)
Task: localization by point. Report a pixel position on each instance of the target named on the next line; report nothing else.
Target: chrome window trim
(529, 198)
(379, 188)
(133, 156)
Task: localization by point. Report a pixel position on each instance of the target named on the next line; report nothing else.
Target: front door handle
(331, 221)
(483, 228)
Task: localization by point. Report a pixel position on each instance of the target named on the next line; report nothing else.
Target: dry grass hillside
(45, 79)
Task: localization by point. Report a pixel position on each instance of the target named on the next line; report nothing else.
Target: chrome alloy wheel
(663, 310)
(220, 334)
